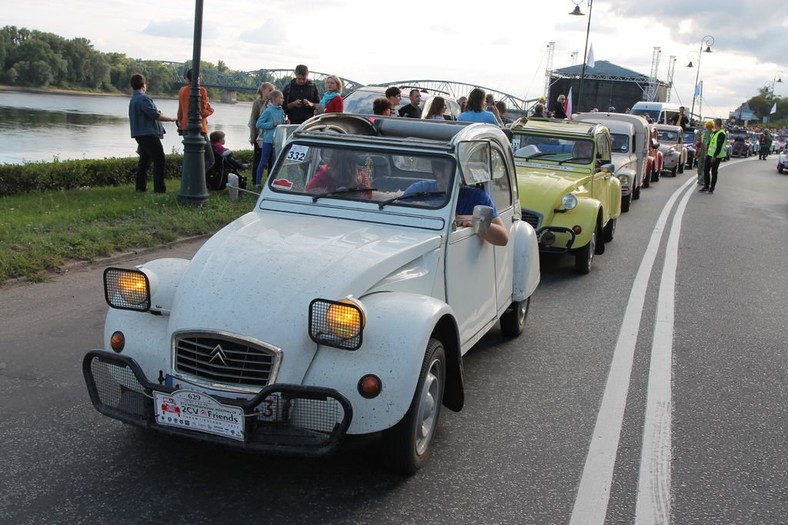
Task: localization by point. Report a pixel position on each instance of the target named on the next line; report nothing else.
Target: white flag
(590, 58)
(774, 109)
(568, 105)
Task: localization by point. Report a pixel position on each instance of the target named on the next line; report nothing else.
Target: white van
(660, 112)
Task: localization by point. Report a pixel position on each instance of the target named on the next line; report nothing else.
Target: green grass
(41, 232)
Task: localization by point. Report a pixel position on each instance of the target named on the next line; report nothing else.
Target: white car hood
(257, 276)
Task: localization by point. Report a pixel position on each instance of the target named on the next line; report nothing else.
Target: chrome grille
(532, 218)
(221, 359)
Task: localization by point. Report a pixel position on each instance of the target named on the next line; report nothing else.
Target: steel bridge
(231, 83)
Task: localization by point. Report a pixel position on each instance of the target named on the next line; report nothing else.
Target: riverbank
(56, 91)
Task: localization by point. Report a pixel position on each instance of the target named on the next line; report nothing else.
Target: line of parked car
(389, 247)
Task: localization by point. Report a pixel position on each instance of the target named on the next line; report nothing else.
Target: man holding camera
(300, 96)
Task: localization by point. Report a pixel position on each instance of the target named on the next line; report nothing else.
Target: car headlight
(127, 289)
(569, 201)
(624, 179)
(337, 323)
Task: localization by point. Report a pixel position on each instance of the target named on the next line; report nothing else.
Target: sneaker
(704, 190)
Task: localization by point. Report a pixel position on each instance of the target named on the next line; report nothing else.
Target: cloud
(170, 28)
(272, 32)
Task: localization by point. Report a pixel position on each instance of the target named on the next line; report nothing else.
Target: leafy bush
(72, 174)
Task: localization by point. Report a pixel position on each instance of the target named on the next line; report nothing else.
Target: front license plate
(199, 412)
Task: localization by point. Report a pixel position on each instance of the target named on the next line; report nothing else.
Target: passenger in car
(469, 198)
(381, 106)
(342, 172)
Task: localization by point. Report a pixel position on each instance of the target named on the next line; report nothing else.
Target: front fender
(584, 215)
(614, 198)
(397, 331)
(526, 261)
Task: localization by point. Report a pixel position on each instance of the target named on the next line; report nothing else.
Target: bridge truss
(251, 80)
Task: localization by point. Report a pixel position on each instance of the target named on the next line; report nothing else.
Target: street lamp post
(193, 188)
(577, 12)
(778, 78)
(708, 40)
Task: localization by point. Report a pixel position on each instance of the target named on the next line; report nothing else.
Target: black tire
(626, 200)
(584, 256)
(610, 230)
(673, 171)
(407, 445)
(779, 168)
(647, 181)
(681, 167)
(655, 176)
(636, 194)
(514, 318)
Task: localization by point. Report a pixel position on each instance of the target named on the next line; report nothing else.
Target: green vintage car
(567, 189)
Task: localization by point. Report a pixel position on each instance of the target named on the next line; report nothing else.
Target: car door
(501, 193)
(470, 261)
(601, 185)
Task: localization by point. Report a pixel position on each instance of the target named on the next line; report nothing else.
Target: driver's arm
(496, 235)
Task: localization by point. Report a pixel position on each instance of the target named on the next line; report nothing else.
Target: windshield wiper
(574, 158)
(340, 191)
(418, 194)
(536, 155)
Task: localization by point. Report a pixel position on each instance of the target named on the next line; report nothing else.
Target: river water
(45, 127)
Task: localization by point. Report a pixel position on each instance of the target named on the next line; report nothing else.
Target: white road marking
(594, 490)
(653, 499)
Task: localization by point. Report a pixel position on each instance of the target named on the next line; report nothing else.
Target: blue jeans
(266, 160)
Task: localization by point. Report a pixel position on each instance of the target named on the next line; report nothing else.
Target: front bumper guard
(314, 419)
(543, 233)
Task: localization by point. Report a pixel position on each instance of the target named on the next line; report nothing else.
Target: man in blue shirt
(469, 198)
(145, 121)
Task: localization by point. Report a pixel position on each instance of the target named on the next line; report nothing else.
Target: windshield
(384, 177)
(620, 142)
(360, 101)
(689, 137)
(668, 136)
(549, 147)
(652, 113)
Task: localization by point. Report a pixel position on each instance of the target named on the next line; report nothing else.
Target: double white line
(653, 499)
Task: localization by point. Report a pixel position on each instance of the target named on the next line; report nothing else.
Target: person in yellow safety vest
(714, 155)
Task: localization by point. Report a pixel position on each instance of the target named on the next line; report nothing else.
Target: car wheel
(610, 230)
(513, 319)
(681, 167)
(655, 176)
(779, 168)
(673, 171)
(585, 255)
(626, 200)
(647, 181)
(407, 445)
(636, 193)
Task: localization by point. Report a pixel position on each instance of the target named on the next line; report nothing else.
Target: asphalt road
(652, 390)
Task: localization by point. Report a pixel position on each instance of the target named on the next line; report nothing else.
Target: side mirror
(608, 168)
(482, 219)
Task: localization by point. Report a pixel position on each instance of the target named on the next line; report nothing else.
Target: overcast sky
(502, 44)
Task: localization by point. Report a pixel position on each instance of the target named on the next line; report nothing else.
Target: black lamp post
(777, 79)
(193, 188)
(578, 12)
(708, 40)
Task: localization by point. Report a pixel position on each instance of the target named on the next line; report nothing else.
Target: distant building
(743, 114)
(605, 85)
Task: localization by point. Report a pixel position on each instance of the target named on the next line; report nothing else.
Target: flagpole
(585, 57)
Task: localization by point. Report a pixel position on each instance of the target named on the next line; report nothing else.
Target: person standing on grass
(206, 110)
(270, 118)
(145, 121)
(259, 104)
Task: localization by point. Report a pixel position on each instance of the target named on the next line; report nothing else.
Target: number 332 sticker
(297, 153)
